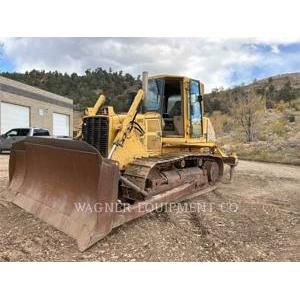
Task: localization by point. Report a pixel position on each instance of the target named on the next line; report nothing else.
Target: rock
(4, 203)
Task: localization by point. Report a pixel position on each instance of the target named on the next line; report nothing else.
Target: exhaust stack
(145, 85)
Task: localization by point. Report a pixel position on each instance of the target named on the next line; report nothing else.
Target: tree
(246, 112)
(287, 93)
(267, 93)
(83, 89)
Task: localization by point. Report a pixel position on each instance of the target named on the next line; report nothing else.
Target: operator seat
(175, 113)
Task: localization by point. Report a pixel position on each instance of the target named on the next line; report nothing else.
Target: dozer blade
(62, 182)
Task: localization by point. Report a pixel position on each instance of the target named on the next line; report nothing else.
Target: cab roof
(167, 76)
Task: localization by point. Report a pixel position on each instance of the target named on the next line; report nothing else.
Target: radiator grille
(95, 133)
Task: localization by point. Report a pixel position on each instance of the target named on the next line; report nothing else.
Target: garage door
(61, 124)
(13, 116)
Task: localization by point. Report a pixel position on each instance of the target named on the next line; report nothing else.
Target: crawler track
(159, 174)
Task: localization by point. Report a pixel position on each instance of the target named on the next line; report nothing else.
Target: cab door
(173, 108)
(195, 109)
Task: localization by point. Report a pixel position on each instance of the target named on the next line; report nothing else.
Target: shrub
(221, 122)
(279, 128)
(291, 118)
(282, 106)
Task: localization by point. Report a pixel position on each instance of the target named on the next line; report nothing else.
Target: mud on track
(256, 218)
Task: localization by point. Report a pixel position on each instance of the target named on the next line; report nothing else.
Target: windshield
(152, 103)
(122, 104)
(18, 132)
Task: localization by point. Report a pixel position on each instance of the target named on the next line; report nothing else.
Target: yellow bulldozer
(123, 164)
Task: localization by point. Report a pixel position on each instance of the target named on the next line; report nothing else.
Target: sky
(216, 62)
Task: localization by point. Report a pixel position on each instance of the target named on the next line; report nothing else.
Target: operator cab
(167, 96)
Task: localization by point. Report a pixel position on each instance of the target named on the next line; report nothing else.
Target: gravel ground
(255, 218)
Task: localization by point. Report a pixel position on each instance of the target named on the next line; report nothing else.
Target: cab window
(153, 100)
(195, 109)
(40, 132)
(23, 131)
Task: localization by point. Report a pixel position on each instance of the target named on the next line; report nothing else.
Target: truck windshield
(18, 132)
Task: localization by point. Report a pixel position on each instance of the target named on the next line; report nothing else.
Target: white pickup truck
(18, 134)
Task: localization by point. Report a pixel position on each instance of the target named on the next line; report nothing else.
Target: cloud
(214, 61)
(275, 49)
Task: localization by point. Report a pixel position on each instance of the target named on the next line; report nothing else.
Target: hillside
(83, 89)
(280, 80)
(259, 121)
(284, 87)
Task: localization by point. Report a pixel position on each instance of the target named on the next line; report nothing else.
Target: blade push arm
(127, 123)
(92, 111)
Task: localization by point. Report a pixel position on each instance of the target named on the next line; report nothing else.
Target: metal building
(22, 105)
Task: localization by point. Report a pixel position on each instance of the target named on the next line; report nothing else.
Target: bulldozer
(122, 164)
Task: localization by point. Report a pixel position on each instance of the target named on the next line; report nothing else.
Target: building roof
(25, 90)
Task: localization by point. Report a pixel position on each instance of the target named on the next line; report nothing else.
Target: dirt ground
(256, 218)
